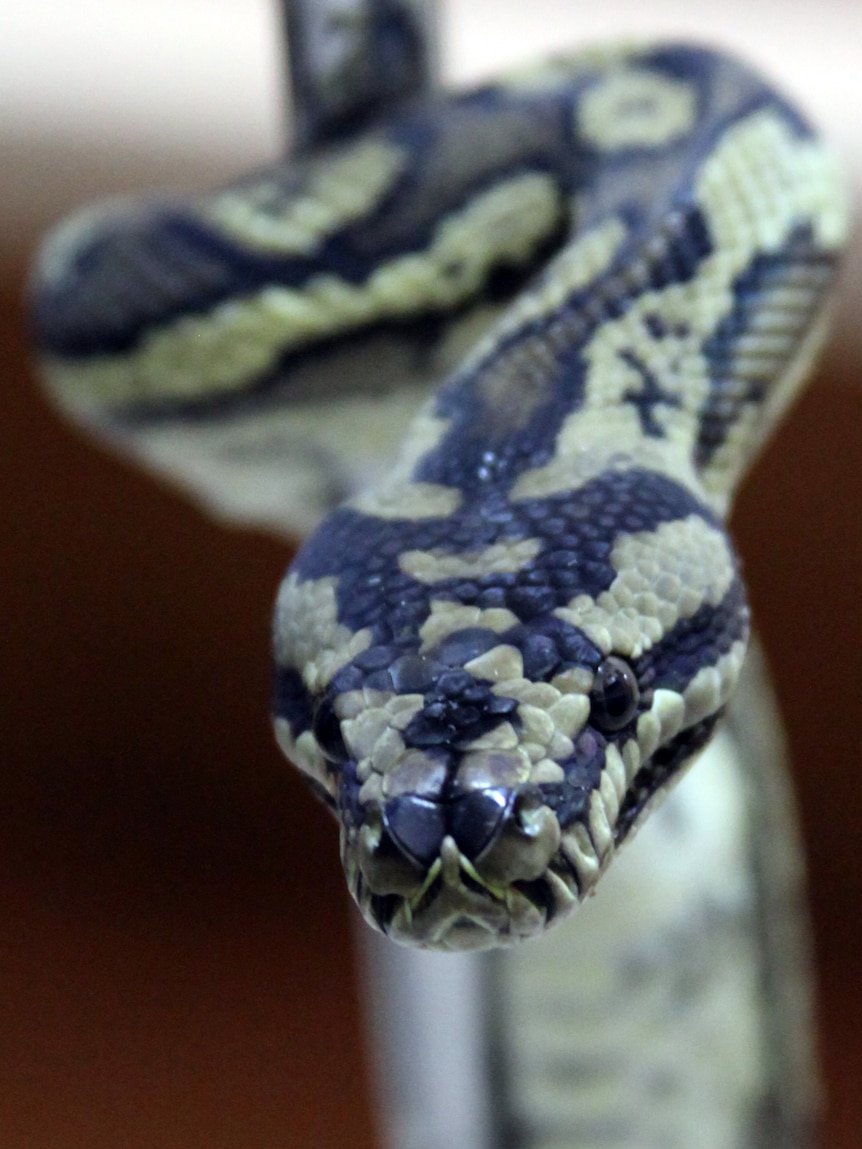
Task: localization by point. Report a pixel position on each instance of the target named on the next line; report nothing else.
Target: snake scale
(524, 617)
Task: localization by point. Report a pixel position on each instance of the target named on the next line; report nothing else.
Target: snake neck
(678, 321)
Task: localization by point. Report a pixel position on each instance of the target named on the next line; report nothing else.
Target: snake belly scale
(496, 658)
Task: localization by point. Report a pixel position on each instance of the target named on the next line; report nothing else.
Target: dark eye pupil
(327, 730)
(614, 697)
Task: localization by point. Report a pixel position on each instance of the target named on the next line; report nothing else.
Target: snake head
(484, 775)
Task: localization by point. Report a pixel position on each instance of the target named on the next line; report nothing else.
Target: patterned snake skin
(499, 654)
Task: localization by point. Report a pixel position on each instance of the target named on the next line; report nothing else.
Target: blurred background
(175, 946)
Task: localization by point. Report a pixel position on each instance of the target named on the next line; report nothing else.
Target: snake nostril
(476, 819)
(523, 842)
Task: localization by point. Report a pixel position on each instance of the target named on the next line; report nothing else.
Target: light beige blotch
(447, 618)
(339, 190)
(570, 714)
(308, 636)
(633, 107)
(434, 566)
(578, 848)
(502, 737)
(688, 559)
(499, 664)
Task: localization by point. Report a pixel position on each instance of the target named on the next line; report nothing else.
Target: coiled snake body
(494, 660)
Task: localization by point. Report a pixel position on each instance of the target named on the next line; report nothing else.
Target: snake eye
(327, 731)
(614, 697)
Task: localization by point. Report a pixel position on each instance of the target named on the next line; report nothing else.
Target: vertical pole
(428, 1027)
(351, 60)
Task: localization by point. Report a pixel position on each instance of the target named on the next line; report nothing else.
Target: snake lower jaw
(456, 920)
(508, 893)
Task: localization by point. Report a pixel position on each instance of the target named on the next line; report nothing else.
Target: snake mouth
(453, 906)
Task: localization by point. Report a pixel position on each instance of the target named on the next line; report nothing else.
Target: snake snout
(418, 826)
(461, 871)
(496, 836)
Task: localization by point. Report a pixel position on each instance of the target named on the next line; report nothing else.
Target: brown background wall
(175, 966)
